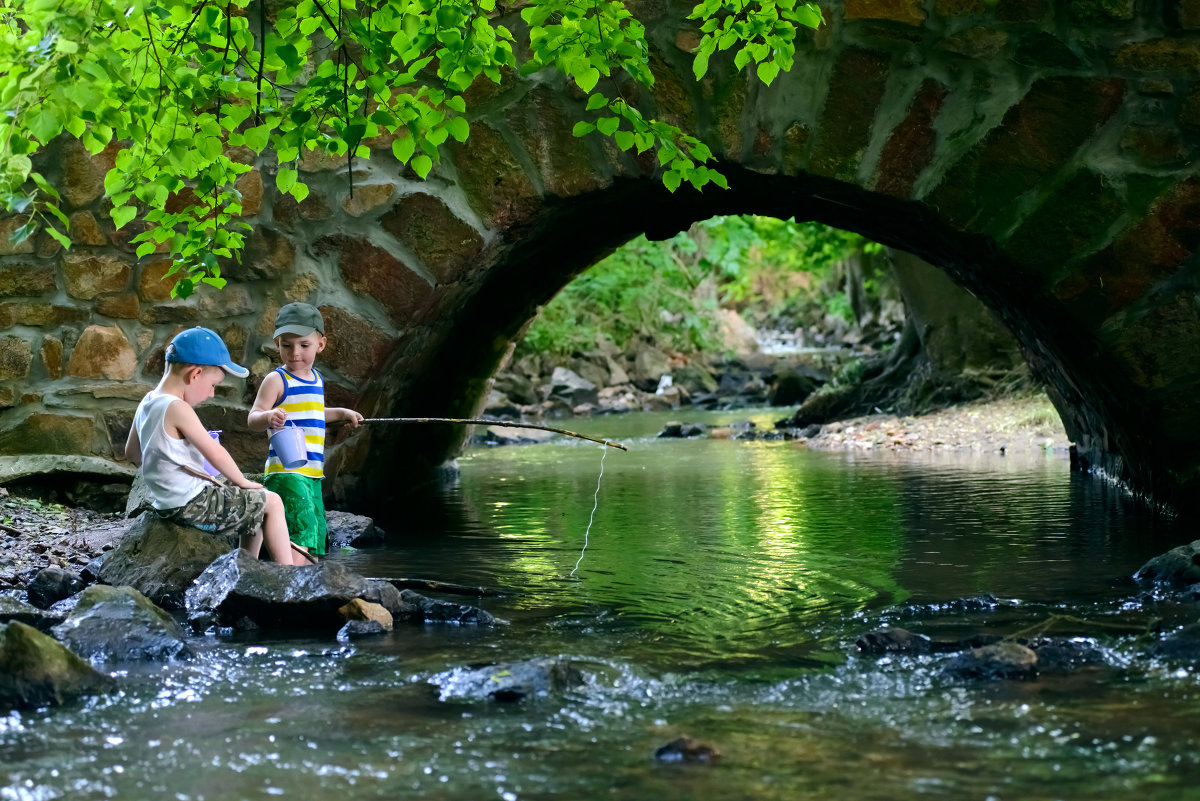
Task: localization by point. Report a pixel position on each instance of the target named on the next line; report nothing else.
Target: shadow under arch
(567, 236)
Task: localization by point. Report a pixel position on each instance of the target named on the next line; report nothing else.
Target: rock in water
(36, 670)
(160, 559)
(51, 585)
(276, 596)
(511, 681)
(1178, 567)
(688, 751)
(13, 609)
(1004, 660)
(119, 624)
(893, 641)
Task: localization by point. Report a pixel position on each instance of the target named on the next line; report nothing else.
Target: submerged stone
(687, 751)
(1178, 567)
(35, 670)
(15, 609)
(1004, 660)
(893, 641)
(511, 681)
(120, 624)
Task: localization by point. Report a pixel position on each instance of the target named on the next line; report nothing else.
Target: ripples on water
(720, 595)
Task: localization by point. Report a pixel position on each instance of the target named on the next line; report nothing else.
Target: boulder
(430, 610)
(273, 596)
(572, 388)
(346, 530)
(1062, 655)
(119, 624)
(498, 406)
(36, 670)
(893, 641)
(355, 629)
(791, 389)
(687, 751)
(508, 681)
(649, 366)
(1179, 646)
(361, 610)
(161, 559)
(1178, 567)
(12, 608)
(1003, 660)
(52, 584)
(516, 386)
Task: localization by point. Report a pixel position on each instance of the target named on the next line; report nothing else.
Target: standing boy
(170, 443)
(295, 392)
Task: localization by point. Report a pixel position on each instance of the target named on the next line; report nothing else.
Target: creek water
(720, 596)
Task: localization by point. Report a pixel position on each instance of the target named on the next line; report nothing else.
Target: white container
(288, 444)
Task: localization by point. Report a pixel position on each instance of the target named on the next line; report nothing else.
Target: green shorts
(303, 507)
(224, 511)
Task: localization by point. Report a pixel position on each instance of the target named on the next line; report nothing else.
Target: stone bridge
(1040, 152)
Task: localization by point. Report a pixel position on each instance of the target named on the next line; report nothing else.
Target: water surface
(720, 593)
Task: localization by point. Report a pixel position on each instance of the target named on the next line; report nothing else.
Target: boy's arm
(133, 447)
(335, 414)
(264, 414)
(182, 419)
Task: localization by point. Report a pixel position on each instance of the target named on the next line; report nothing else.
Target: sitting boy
(170, 443)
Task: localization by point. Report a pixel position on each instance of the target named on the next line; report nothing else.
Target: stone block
(372, 271)
(356, 347)
(250, 184)
(1169, 56)
(795, 145)
(152, 283)
(124, 306)
(8, 226)
(83, 173)
(15, 358)
(493, 178)
(90, 274)
(911, 145)
(52, 353)
(855, 92)
(367, 198)
(544, 128)
(1036, 136)
(86, 231)
(102, 352)
(446, 245)
(907, 12)
(43, 432)
(26, 279)
(1154, 145)
(1099, 12)
(39, 314)
(268, 254)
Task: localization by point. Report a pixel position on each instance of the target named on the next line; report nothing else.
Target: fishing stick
(483, 422)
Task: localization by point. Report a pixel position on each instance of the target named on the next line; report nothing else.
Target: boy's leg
(252, 542)
(305, 513)
(275, 533)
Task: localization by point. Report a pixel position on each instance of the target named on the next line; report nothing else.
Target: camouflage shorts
(227, 510)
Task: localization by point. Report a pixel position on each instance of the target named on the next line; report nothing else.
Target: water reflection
(720, 594)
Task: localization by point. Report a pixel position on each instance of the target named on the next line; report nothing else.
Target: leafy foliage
(669, 291)
(177, 83)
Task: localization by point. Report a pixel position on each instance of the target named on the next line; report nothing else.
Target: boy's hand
(247, 484)
(338, 414)
(352, 417)
(277, 418)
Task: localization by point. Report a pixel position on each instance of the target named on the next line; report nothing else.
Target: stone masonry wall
(1042, 153)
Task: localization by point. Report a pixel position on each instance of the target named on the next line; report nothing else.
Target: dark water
(720, 594)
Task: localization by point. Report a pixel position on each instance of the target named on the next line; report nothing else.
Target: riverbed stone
(51, 585)
(1004, 660)
(1182, 645)
(120, 624)
(348, 530)
(1177, 568)
(572, 388)
(430, 610)
(161, 559)
(237, 586)
(35, 670)
(358, 609)
(508, 681)
(688, 751)
(893, 641)
(12, 608)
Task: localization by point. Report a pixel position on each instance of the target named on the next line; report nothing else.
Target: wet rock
(572, 387)
(1178, 567)
(356, 629)
(1180, 646)
(119, 624)
(893, 641)
(35, 670)
(12, 608)
(1058, 655)
(281, 597)
(360, 610)
(510, 681)
(672, 430)
(161, 559)
(430, 610)
(52, 584)
(499, 407)
(687, 751)
(347, 530)
(1004, 660)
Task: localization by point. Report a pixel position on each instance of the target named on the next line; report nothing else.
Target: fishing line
(595, 503)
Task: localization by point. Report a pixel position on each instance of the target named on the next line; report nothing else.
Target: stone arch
(1040, 153)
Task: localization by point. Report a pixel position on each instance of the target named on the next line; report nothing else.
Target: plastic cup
(208, 468)
(288, 444)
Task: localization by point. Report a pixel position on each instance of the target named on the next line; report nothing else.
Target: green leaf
(582, 128)
(700, 65)
(59, 237)
(285, 179)
(402, 148)
(767, 71)
(608, 125)
(299, 191)
(256, 138)
(624, 139)
(587, 79)
(122, 215)
(671, 180)
(459, 128)
(421, 165)
(742, 58)
(145, 249)
(596, 101)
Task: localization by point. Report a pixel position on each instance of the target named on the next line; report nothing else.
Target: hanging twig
(485, 422)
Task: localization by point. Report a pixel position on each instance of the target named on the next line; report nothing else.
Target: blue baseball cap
(201, 346)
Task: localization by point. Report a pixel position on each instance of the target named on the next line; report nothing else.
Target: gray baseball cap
(300, 319)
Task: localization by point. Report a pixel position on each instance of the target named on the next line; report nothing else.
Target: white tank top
(162, 455)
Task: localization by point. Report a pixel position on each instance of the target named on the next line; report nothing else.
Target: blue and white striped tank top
(304, 402)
